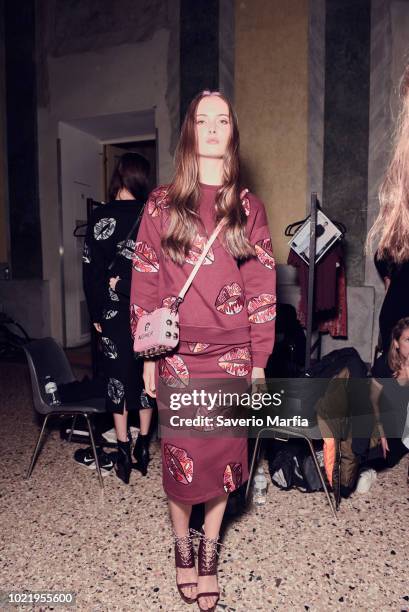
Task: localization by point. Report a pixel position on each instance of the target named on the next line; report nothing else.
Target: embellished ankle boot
(207, 566)
(123, 465)
(185, 558)
(141, 453)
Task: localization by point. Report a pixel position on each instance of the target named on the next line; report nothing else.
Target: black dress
(396, 303)
(106, 241)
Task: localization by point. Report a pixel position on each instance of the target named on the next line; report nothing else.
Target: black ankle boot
(141, 453)
(123, 465)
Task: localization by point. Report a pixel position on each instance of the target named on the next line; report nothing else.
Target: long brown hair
(394, 360)
(391, 226)
(184, 192)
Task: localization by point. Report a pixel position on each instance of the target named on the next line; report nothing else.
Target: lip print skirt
(201, 457)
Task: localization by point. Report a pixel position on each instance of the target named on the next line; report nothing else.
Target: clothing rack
(311, 278)
(308, 230)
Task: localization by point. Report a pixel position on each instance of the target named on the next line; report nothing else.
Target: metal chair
(284, 434)
(46, 358)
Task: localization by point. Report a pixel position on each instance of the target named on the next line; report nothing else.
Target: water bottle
(51, 392)
(260, 487)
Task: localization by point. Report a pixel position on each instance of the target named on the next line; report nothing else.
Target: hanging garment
(330, 301)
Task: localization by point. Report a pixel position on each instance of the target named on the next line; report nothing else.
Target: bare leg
(121, 425)
(180, 516)
(145, 417)
(214, 511)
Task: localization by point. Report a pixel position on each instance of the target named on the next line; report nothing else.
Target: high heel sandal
(185, 558)
(207, 566)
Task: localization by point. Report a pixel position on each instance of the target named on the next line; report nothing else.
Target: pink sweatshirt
(227, 303)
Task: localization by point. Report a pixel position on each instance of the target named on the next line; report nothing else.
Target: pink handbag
(158, 332)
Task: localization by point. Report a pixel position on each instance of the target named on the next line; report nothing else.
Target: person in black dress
(107, 265)
(391, 228)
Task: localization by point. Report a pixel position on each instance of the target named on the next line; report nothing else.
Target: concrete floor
(115, 550)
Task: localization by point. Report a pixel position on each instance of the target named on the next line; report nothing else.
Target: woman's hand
(258, 374)
(258, 380)
(385, 447)
(149, 377)
(113, 281)
(98, 327)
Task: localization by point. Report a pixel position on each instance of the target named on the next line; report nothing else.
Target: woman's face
(403, 345)
(213, 127)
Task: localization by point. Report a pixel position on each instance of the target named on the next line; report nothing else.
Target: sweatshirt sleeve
(94, 274)
(145, 268)
(259, 279)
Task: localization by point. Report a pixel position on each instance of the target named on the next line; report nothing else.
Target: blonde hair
(183, 193)
(391, 226)
(394, 360)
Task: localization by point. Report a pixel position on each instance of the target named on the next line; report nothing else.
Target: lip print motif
(197, 347)
(104, 228)
(116, 390)
(113, 295)
(232, 477)
(230, 300)
(236, 362)
(145, 258)
(109, 348)
(157, 202)
(196, 250)
(109, 314)
(179, 464)
(86, 255)
(136, 313)
(262, 308)
(168, 302)
(264, 252)
(126, 248)
(173, 372)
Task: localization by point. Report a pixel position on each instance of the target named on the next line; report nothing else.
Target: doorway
(88, 150)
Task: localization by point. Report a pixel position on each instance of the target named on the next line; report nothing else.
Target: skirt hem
(202, 500)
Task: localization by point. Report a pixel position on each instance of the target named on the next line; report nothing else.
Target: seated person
(390, 392)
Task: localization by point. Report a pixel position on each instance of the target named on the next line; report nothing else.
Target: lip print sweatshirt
(229, 302)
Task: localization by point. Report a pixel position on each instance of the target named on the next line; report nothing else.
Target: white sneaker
(365, 481)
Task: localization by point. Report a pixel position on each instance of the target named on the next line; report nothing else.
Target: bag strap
(199, 262)
(130, 233)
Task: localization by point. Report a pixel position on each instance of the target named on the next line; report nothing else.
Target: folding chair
(284, 434)
(46, 358)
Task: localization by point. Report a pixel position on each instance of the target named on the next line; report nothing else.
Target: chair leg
(74, 420)
(252, 466)
(94, 450)
(324, 484)
(37, 448)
